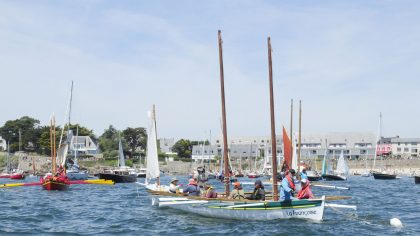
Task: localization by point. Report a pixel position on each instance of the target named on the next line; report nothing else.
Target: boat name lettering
(301, 213)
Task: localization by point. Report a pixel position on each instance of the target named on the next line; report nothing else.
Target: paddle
(353, 207)
(329, 186)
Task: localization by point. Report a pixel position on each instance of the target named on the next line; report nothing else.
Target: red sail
(287, 144)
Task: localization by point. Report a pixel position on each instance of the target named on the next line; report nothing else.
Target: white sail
(152, 170)
(294, 154)
(342, 167)
(121, 161)
(62, 154)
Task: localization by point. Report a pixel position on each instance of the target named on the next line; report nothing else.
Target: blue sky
(346, 60)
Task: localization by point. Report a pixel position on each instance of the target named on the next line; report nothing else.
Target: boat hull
(384, 176)
(417, 179)
(334, 177)
(119, 178)
(314, 178)
(17, 176)
(303, 209)
(51, 185)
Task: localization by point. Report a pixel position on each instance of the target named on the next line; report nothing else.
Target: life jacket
(290, 181)
(305, 192)
(237, 195)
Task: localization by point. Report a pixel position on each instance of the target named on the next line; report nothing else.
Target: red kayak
(60, 183)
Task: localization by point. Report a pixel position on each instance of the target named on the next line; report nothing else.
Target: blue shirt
(303, 175)
(192, 190)
(285, 190)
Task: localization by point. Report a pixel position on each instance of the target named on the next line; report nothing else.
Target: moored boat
(417, 179)
(331, 177)
(120, 175)
(381, 175)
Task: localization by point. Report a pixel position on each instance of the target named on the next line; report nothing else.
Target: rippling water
(125, 209)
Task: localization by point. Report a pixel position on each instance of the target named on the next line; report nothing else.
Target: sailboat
(380, 174)
(74, 172)
(246, 210)
(57, 179)
(340, 173)
(121, 174)
(366, 172)
(152, 161)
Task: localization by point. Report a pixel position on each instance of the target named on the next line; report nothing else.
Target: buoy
(395, 222)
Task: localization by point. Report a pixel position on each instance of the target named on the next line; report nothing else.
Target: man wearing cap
(287, 187)
(237, 192)
(192, 188)
(209, 191)
(259, 192)
(174, 187)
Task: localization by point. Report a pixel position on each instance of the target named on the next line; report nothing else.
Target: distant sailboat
(340, 173)
(121, 174)
(380, 174)
(74, 172)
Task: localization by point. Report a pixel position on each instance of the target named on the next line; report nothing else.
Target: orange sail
(287, 145)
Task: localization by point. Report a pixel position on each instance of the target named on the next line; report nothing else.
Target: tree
(183, 148)
(108, 141)
(135, 138)
(27, 127)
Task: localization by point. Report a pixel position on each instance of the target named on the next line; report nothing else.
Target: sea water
(125, 209)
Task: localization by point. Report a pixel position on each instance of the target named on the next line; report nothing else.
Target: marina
(171, 129)
(126, 209)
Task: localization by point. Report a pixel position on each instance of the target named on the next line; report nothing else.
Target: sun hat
(174, 179)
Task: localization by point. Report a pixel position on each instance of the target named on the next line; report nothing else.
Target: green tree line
(35, 138)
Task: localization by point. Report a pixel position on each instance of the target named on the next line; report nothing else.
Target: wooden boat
(312, 209)
(60, 183)
(417, 179)
(244, 210)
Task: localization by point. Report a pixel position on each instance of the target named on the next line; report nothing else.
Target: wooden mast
(300, 136)
(222, 90)
(273, 128)
(291, 131)
(51, 147)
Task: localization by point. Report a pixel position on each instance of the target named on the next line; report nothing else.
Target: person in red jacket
(305, 192)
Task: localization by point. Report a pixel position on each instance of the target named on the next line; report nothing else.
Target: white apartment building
(405, 147)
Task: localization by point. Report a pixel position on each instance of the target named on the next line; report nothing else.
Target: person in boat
(303, 174)
(287, 187)
(305, 192)
(237, 192)
(259, 192)
(192, 188)
(173, 186)
(209, 191)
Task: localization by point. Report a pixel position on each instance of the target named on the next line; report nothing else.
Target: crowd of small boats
(62, 176)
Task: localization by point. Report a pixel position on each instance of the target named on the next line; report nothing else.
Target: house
(3, 144)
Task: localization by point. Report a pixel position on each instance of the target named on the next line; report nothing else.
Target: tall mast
(300, 135)
(377, 140)
(222, 90)
(273, 127)
(154, 123)
(291, 131)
